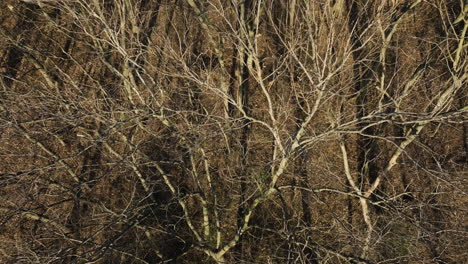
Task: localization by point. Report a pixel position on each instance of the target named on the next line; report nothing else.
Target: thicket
(233, 131)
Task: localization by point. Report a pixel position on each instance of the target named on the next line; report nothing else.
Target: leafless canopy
(233, 131)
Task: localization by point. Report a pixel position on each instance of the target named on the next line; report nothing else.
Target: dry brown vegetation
(233, 131)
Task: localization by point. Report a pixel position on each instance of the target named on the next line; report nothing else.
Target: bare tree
(137, 131)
